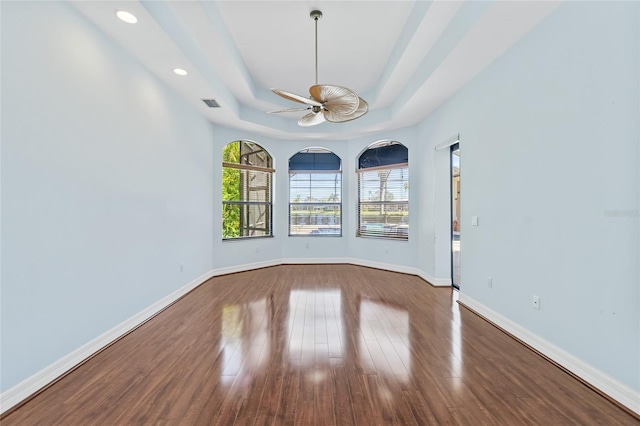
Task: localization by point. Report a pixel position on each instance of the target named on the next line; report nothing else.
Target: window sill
(382, 237)
(317, 235)
(246, 238)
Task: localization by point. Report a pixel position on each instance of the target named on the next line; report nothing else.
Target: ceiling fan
(335, 104)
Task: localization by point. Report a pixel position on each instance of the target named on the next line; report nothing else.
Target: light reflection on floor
(383, 341)
(245, 340)
(456, 337)
(314, 333)
(314, 327)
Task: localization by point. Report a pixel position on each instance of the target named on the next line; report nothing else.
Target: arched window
(315, 193)
(247, 177)
(383, 191)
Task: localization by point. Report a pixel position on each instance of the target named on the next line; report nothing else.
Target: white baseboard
(44, 377)
(618, 391)
(436, 282)
(245, 267)
(313, 261)
(48, 375)
(379, 265)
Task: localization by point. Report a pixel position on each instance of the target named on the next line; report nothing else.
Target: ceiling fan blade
(295, 98)
(289, 110)
(311, 119)
(363, 107)
(338, 99)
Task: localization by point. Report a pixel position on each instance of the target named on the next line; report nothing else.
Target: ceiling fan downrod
(315, 15)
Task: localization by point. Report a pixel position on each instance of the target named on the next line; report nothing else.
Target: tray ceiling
(405, 58)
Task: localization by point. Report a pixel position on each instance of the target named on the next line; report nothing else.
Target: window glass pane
(384, 219)
(246, 220)
(315, 219)
(385, 154)
(246, 153)
(315, 187)
(230, 184)
(314, 161)
(245, 185)
(231, 153)
(230, 220)
(385, 185)
(255, 185)
(254, 155)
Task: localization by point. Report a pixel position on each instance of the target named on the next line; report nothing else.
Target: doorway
(455, 215)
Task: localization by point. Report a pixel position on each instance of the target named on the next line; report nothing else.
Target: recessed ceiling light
(127, 17)
(179, 71)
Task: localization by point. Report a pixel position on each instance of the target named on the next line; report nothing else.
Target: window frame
(361, 202)
(338, 204)
(321, 161)
(270, 173)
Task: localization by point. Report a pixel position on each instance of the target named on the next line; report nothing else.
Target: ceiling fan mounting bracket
(315, 15)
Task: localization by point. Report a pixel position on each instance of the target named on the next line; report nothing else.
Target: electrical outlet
(489, 282)
(536, 302)
(182, 267)
(306, 246)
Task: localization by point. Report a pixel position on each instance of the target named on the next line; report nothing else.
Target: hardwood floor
(318, 344)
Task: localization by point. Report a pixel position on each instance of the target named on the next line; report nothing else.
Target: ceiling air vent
(211, 103)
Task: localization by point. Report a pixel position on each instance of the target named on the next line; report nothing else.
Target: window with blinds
(383, 191)
(315, 193)
(247, 179)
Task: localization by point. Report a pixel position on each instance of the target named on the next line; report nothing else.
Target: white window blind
(383, 202)
(315, 203)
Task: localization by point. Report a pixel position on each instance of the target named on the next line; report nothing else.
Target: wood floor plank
(317, 345)
(306, 407)
(266, 413)
(343, 405)
(420, 409)
(288, 403)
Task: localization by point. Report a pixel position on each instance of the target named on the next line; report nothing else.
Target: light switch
(474, 220)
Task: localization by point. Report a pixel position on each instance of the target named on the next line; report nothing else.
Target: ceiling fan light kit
(335, 104)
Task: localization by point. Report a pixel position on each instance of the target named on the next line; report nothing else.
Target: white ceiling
(405, 58)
